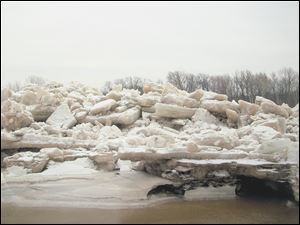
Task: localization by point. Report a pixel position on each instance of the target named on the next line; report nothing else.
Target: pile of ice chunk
(70, 122)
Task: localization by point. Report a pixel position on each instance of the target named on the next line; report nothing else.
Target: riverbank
(122, 197)
(236, 211)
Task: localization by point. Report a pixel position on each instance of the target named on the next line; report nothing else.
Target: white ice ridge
(58, 127)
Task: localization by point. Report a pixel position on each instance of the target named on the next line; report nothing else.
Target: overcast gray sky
(97, 41)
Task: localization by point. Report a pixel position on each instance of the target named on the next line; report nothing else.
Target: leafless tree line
(17, 85)
(281, 87)
(127, 82)
(133, 82)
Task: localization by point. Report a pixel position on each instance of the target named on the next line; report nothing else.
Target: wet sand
(236, 211)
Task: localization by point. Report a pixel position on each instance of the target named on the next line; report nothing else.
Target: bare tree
(35, 80)
(106, 87)
(15, 86)
(279, 87)
(203, 81)
(274, 87)
(289, 84)
(136, 83)
(177, 79)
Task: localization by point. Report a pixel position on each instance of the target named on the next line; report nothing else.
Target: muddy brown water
(239, 210)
